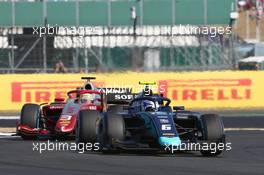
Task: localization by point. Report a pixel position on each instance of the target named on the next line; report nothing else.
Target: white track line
(15, 117)
(241, 115)
(9, 117)
(226, 129)
(9, 135)
(6, 133)
(244, 129)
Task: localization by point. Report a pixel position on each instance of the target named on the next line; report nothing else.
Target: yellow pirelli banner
(195, 90)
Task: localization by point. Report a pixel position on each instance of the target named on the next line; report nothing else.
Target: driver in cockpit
(90, 97)
(148, 105)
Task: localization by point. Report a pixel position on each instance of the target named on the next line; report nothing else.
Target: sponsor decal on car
(92, 107)
(164, 121)
(168, 134)
(123, 97)
(116, 90)
(182, 116)
(166, 127)
(162, 116)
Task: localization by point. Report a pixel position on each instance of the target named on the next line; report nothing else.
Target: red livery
(59, 117)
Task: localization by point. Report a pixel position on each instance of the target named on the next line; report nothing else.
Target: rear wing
(118, 95)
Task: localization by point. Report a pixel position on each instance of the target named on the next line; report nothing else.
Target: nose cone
(172, 141)
(65, 124)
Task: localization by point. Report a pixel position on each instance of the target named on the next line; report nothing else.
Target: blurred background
(136, 35)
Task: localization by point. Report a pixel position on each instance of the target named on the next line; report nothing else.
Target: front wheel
(213, 132)
(111, 131)
(30, 115)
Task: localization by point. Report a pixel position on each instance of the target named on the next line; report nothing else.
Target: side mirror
(178, 108)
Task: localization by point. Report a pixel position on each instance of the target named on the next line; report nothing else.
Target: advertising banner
(195, 90)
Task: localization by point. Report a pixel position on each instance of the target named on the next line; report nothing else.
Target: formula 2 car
(58, 118)
(149, 123)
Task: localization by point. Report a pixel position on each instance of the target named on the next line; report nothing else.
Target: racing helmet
(148, 105)
(86, 98)
(147, 91)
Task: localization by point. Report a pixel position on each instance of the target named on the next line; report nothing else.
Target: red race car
(59, 118)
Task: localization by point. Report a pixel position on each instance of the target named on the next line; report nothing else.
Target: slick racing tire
(115, 109)
(214, 132)
(87, 126)
(115, 127)
(30, 114)
(112, 130)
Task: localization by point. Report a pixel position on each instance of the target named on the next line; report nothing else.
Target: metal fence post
(109, 29)
(172, 63)
(76, 59)
(205, 12)
(203, 51)
(141, 12)
(44, 52)
(12, 37)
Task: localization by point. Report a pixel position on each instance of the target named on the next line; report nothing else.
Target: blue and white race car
(149, 123)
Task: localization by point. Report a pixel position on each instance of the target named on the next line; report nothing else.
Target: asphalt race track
(246, 157)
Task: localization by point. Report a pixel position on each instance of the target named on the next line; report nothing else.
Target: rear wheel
(87, 126)
(214, 133)
(30, 114)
